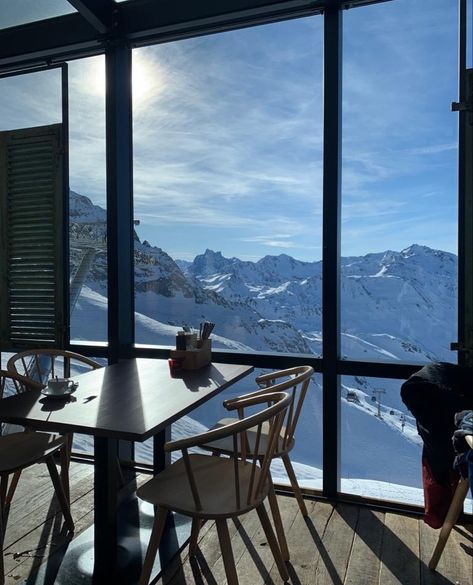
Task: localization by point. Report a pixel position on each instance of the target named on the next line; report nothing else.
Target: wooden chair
(43, 364)
(296, 381)
(40, 365)
(452, 515)
(17, 383)
(21, 450)
(218, 488)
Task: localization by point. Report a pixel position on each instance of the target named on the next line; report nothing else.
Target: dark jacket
(434, 395)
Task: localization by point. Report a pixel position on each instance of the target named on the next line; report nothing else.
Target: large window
(227, 168)
(399, 206)
(35, 99)
(399, 228)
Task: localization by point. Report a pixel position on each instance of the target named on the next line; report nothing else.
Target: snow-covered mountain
(395, 305)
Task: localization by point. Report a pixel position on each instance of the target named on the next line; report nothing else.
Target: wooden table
(132, 400)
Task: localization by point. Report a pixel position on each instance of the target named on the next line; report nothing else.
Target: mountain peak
(210, 262)
(211, 254)
(415, 249)
(82, 210)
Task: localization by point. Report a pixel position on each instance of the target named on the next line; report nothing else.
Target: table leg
(105, 499)
(161, 459)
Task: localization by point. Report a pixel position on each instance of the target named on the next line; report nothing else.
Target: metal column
(65, 235)
(120, 244)
(119, 202)
(465, 196)
(331, 248)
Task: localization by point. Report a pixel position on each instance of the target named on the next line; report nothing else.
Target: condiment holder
(192, 352)
(192, 359)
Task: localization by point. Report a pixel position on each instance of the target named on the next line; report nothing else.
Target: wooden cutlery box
(193, 359)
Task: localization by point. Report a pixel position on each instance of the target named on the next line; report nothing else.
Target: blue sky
(228, 134)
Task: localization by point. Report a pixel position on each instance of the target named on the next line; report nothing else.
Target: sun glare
(145, 82)
(145, 79)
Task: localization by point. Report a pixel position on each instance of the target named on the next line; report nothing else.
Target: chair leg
(61, 496)
(273, 503)
(196, 524)
(450, 521)
(272, 541)
(295, 485)
(2, 568)
(121, 478)
(12, 488)
(3, 491)
(227, 553)
(64, 463)
(156, 533)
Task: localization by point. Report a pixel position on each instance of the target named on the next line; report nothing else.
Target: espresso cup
(59, 386)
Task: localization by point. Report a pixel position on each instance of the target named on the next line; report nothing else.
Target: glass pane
(381, 454)
(32, 99)
(399, 235)
(381, 450)
(87, 203)
(24, 11)
(227, 183)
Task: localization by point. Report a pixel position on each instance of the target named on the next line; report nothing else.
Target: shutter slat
(28, 191)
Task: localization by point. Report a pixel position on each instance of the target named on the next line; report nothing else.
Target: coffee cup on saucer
(59, 386)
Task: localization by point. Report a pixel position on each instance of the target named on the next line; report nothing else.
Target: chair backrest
(16, 383)
(254, 467)
(42, 364)
(298, 380)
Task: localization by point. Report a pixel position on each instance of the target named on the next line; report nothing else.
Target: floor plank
(304, 539)
(364, 562)
(256, 560)
(336, 545)
(400, 550)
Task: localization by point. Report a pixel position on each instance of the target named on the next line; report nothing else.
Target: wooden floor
(336, 545)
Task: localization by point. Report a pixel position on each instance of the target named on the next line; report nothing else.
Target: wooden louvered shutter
(32, 262)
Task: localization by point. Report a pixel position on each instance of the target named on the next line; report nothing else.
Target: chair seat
(19, 450)
(226, 445)
(214, 478)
